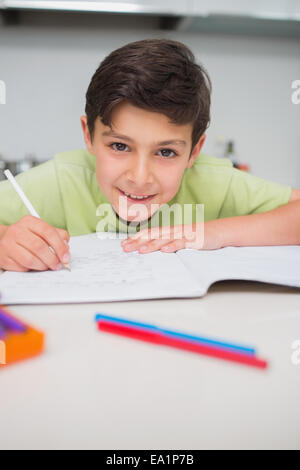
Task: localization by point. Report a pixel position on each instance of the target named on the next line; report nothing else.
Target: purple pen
(11, 323)
(2, 332)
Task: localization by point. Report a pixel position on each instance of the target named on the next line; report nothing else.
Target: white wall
(47, 68)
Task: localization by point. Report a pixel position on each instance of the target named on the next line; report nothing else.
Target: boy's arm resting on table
(277, 226)
(259, 212)
(280, 226)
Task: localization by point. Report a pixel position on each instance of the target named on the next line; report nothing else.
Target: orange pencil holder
(18, 341)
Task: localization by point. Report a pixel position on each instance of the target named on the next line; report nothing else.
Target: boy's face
(141, 154)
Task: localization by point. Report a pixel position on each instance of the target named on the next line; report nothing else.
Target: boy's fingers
(166, 232)
(156, 234)
(174, 246)
(152, 245)
(146, 247)
(41, 250)
(142, 236)
(11, 265)
(163, 245)
(135, 237)
(170, 239)
(27, 259)
(53, 239)
(135, 244)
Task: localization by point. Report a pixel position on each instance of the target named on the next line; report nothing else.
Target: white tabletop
(91, 389)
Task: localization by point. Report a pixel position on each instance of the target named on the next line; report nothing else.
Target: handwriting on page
(94, 270)
(101, 271)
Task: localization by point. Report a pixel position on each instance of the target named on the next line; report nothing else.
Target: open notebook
(101, 271)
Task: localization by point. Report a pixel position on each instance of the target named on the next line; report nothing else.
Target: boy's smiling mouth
(137, 198)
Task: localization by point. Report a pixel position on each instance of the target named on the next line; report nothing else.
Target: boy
(147, 110)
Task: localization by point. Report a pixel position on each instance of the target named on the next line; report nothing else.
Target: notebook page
(101, 271)
(271, 264)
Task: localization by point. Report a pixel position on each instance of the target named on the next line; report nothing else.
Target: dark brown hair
(159, 75)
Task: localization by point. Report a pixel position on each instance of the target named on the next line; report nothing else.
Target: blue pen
(11, 323)
(191, 338)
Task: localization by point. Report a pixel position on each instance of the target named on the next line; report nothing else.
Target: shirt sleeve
(249, 194)
(40, 184)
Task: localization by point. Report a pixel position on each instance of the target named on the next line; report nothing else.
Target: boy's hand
(205, 236)
(25, 246)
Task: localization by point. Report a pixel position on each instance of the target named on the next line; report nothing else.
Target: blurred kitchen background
(251, 49)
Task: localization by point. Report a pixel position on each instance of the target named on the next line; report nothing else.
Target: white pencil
(27, 203)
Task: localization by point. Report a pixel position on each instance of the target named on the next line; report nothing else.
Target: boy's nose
(140, 173)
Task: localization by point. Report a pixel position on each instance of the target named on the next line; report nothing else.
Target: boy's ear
(86, 134)
(196, 150)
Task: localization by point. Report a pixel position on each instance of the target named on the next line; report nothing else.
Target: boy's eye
(118, 146)
(166, 153)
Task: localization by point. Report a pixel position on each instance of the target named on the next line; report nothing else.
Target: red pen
(156, 338)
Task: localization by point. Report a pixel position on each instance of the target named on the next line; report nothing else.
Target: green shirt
(65, 193)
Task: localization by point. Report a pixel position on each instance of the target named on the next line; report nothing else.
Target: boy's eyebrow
(124, 137)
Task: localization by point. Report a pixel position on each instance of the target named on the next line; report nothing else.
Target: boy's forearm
(280, 226)
(2, 230)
